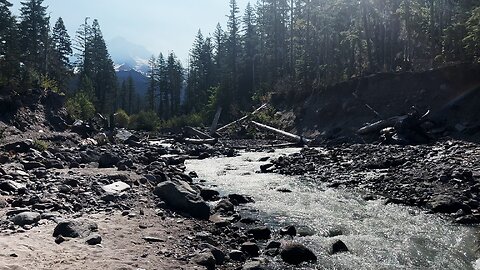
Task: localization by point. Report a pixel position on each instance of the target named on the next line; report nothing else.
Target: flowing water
(379, 236)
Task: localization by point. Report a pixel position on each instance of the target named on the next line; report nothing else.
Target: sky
(158, 25)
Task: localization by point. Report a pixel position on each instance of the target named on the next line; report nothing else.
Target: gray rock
(108, 160)
(260, 233)
(182, 197)
(117, 187)
(75, 228)
(236, 255)
(289, 230)
(250, 248)
(224, 206)
(205, 259)
(294, 253)
(10, 185)
(93, 239)
(337, 247)
(253, 265)
(26, 218)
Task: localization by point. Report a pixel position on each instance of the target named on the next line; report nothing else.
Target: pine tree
(152, 84)
(34, 35)
(61, 51)
(9, 54)
(162, 74)
(174, 84)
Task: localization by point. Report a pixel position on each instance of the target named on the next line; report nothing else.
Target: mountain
(127, 55)
(140, 81)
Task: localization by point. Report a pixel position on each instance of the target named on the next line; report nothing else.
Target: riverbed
(379, 236)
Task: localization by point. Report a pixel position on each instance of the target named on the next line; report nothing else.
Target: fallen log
(243, 118)
(195, 132)
(201, 141)
(293, 137)
(379, 125)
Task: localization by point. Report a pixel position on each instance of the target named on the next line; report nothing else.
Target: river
(378, 236)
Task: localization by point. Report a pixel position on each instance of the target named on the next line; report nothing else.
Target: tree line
(300, 45)
(294, 46)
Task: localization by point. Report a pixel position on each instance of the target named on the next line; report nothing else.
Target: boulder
(250, 248)
(19, 147)
(260, 233)
(205, 259)
(209, 194)
(108, 160)
(238, 199)
(448, 204)
(75, 228)
(236, 255)
(294, 253)
(182, 197)
(224, 206)
(26, 218)
(337, 247)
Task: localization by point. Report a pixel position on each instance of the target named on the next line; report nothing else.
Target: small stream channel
(379, 236)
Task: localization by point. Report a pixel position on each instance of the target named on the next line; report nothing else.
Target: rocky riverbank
(117, 201)
(442, 177)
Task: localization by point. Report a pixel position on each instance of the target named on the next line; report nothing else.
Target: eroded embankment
(452, 95)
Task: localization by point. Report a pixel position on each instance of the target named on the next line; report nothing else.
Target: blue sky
(159, 25)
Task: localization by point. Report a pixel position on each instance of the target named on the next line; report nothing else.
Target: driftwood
(243, 118)
(213, 128)
(200, 141)
(195, 132)
(379, 125)
(293, 137)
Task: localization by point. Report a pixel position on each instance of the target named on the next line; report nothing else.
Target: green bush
(147, 121)
(184, 120)
(40, 145)
(80, 107)
(121, 119)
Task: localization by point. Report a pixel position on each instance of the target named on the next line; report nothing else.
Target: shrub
(147, 121)
(121, 119)
(40, 145)
(183, 120)
(80, 107)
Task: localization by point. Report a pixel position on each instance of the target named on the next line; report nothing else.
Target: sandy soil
(122, 247)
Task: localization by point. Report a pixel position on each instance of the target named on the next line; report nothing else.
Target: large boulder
(75, 228)
(448, 204)
(108, 160)
(26, 218)
(180, 196)
(294, 253)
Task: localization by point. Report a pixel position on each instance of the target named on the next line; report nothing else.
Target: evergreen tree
(162, 75)
(9, 62)
(61, 51)
(34, 35)
(152, 84)
(174, 85)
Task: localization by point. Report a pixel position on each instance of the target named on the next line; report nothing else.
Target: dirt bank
(452, 94)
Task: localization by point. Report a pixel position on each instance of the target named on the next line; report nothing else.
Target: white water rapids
(379, 236)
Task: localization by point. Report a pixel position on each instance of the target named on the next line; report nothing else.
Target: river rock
(289, 230)
(448, 204)
(182, 197)
(250, 248)
(26, 218)
(117, 187)
(260, 233)
(93, 239)
(108, 160)
(294, 253)
(75, 228)
(209, 194)
(236, 255)
(238, 199)
(253, 265)
(337, 247)
(224, 206)
(205, 259)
